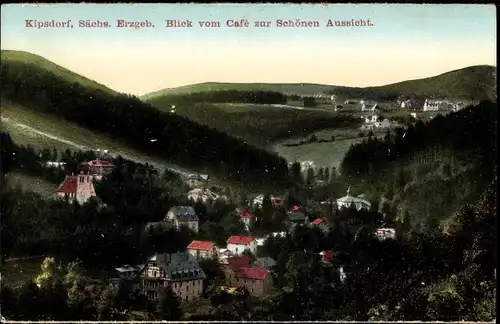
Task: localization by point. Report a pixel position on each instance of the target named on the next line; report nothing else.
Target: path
(159, 166)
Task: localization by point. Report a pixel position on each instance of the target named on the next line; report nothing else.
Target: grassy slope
(31, 183)
(459, 83)
(52, 67)
(65, 135)
(469, 81)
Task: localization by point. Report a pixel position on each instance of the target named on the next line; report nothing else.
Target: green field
(41, 130)
(17, 272)
(31, 183)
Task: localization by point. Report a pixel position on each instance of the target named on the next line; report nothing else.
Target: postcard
(248, 162)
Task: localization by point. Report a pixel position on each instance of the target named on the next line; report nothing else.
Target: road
(263, 106)
(131, 157)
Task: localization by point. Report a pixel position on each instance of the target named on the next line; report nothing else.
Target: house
(203, 249)
(348, 201)
(414, 103)
(179, 216)
(128, 272)
(78, 188)
(239, 272)
(321, 224)
(179, 271)
(326, 257)
(371, 119)
(196, 180)
(97, 168)
(296, 215)
(246, 217)
(385, 233)
(276, 201)
(238, 244)
(435, 105)
(201, 194)
(53, 164)
(368, 105)
(266, 263)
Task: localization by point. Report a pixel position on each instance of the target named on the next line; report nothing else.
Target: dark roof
(179, 266)
(296, 215)
(184, 213)
(195, 177)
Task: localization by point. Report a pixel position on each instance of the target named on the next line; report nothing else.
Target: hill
(470, 83)
(295, 88)
(46, 65)
(129, 120)
(423, 182)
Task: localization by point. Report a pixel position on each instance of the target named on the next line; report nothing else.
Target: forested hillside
(425, 172)
(137, 123)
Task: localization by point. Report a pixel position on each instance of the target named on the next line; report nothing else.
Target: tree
(326, 174)
(168, 307)
(320, 174)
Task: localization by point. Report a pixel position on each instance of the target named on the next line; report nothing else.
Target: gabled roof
(252, 273)
(195, 177)
(239, 239)
(69, 185)
(178, 266)
(201, 245)
(100, 163)
(243, 213)
(326, 256)
(242, 269)
(296, 215)
(318, 221)
(265, 262)
(184, 213)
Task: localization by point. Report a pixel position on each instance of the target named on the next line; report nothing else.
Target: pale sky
(407, 41)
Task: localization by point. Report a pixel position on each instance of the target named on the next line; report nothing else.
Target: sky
(406, 41)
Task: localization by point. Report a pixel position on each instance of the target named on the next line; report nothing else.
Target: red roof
(277, 201)
(238, 262)
(241, 267)
(201, 245)
(69, 185)
(317, 221)
(239, 240)
(327, 256)
(99, 163)
(245, 214)
(295, 208)
(252, 273)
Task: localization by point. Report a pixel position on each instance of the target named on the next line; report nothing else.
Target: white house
(368, 105)
(385, 233)
(202, 194)
(77, 188)
(435, 105)
(238, 244)
(349, 201)
(246, 217)
(127, 272)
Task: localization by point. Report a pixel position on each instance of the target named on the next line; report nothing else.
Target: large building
(239, 272)
(179, 271)
(349, 201)
(179, 216)
(238, 244)
(78, 188)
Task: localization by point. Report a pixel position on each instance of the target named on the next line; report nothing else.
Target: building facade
(238, 272)
(179, 271)
(179, 216)
(78, 188)
(238, 244)
(203, 249)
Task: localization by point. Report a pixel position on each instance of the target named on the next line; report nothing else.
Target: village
(181, 271)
